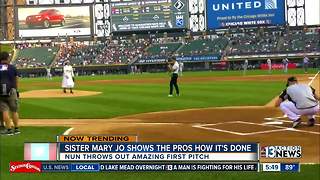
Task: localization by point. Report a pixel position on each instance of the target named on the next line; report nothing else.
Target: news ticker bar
(42, 167)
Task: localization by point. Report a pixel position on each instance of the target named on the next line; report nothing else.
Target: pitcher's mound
(56, 93)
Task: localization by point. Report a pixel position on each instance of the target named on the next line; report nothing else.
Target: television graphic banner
(54, 21)
(233, 13)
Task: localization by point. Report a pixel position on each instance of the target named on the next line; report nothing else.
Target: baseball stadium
(163, 71)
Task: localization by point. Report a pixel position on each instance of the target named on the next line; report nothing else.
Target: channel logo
(271, 4)
(281, 152)
(25, 167)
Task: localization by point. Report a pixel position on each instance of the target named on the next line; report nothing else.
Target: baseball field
(213, 107)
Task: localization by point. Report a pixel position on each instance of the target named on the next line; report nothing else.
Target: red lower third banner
(25, 167)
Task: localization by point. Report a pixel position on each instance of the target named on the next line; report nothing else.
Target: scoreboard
(144, 15)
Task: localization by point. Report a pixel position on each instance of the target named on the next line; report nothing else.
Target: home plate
(273, 123)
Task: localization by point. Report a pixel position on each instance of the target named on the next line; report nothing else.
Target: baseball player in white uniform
(285, 63)
(68, 78)
(269, 65)
(49, 75)
(298, 100)
(245, 66)
(305, 64)
(181, 68)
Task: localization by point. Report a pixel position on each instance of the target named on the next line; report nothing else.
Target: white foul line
(67, 132)
(314, 77)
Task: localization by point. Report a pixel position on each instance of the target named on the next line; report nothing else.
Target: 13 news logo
(281, 152)
(25, 167)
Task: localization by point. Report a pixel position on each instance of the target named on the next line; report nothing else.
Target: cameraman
(9, 95)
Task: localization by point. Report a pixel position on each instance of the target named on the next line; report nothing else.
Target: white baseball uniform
(67, 81)
(269, 65)
(285, 63)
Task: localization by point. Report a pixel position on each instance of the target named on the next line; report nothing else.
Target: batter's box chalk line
(205, 126)
(285, 121)
(278, 128)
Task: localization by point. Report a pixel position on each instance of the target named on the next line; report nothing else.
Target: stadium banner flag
(193, 58)
(158, 152)
(40, 151)
(199, 58)
(152, 60)
(96, 138)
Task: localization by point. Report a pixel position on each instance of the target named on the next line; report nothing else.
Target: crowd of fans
(25, 45)
(127, 50)
(275, 41)
(29, 63)
(110, 52)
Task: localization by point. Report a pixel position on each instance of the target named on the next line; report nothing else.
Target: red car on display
(46, 18)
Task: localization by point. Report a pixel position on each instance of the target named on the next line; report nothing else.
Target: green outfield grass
(118, 100)
(125, 99)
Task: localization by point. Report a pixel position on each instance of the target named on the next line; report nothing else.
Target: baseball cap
(291, 79)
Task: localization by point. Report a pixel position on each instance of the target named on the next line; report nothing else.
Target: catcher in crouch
(302, 100)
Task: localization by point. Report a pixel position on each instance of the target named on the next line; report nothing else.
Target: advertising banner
(54, 21)
(233, 13)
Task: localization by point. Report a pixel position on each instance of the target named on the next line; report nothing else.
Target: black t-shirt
(8, 74)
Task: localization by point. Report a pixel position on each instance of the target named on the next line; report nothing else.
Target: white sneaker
(170, 95)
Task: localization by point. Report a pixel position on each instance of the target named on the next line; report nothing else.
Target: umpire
(9, 95)
(173, 67)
